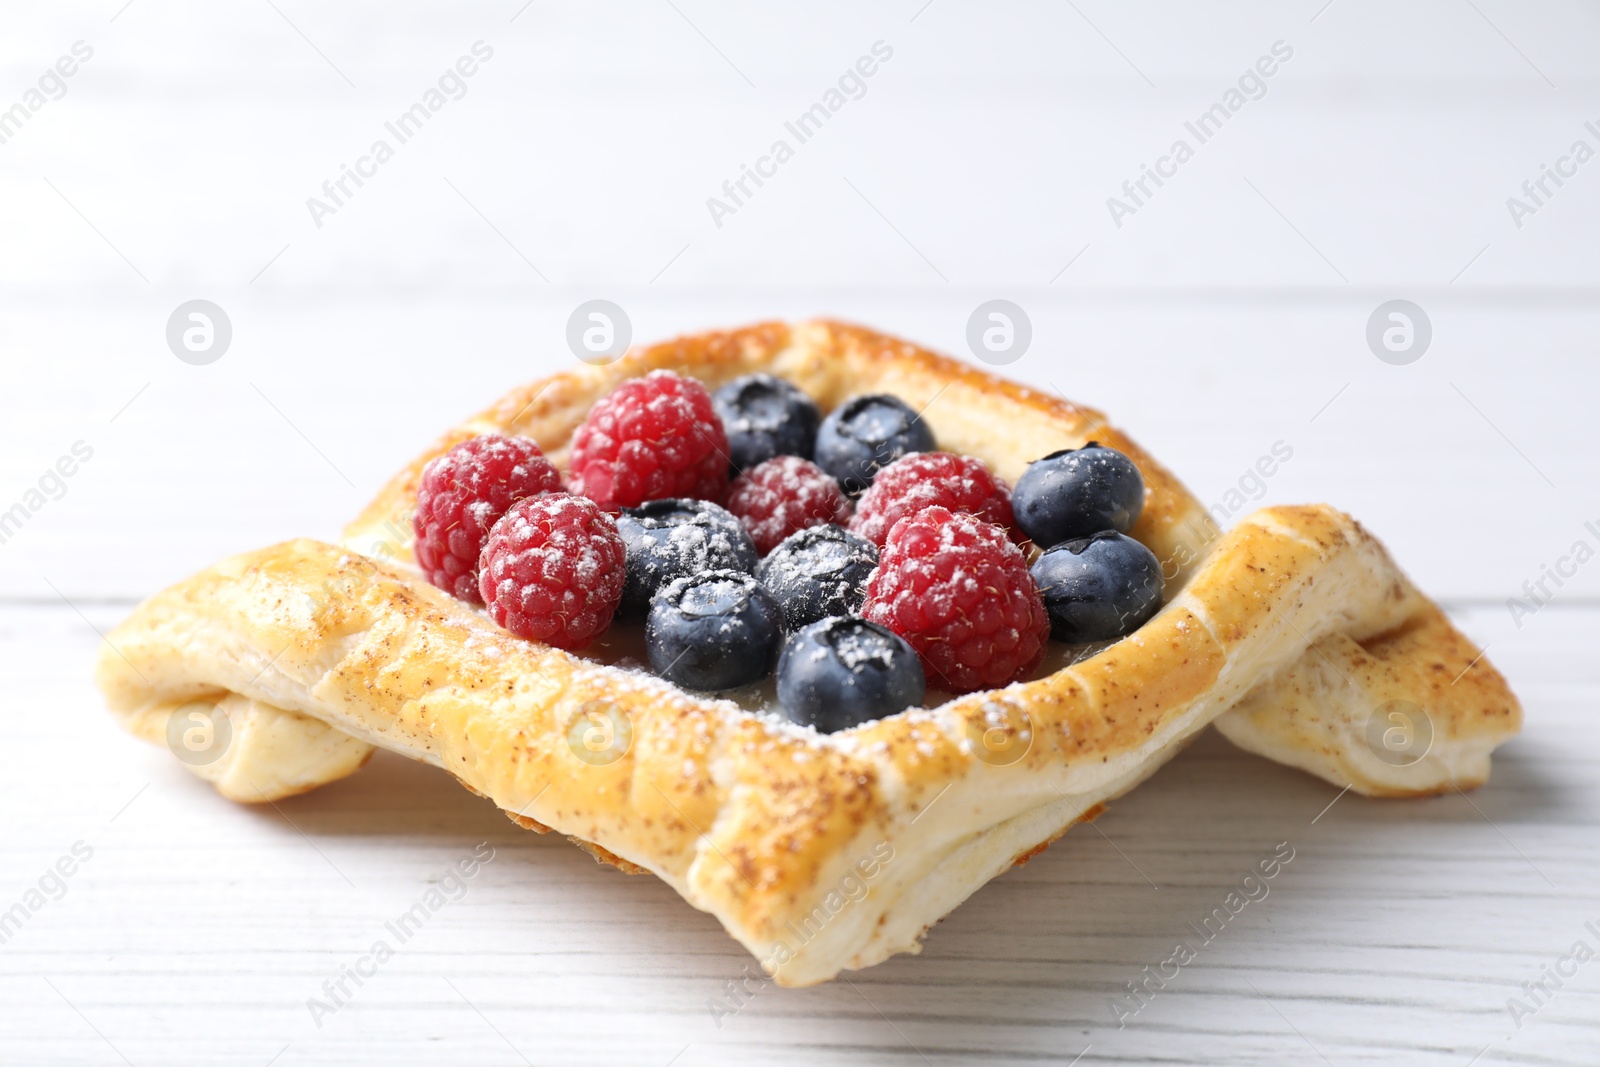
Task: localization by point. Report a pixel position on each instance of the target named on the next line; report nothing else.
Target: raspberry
(553, 570)
(462, 495)
(959, 590)
(783, 495)
(925, 479)
(651, 438)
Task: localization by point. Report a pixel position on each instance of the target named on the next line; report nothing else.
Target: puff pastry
(1289, 632)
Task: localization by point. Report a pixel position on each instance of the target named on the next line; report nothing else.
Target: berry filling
(929, 586)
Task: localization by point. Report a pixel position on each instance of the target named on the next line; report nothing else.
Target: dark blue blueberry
(717, 630)
(1098, 588)
(668, 539)
(1077, 492)
(866, 434)
(765, 417)
(817, 573)
(842, 672)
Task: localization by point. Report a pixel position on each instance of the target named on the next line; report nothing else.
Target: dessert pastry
(818, 851)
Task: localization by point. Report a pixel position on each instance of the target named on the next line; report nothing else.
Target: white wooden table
(1228, 313)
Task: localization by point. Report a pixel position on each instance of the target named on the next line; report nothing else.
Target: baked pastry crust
(812, 849)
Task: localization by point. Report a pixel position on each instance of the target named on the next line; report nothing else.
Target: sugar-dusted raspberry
(553, 570)
(462, 495)
(651, 438)
(927, 479)
(959, 590)
(782, 495)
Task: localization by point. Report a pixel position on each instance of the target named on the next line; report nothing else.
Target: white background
(1227, 314)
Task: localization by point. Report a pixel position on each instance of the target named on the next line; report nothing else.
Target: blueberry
(669, 539)
(866, 434)
(842, 672)
(1077, 492)
(717, 630)
(765, 417)
(818, 572)
(1098, 588)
